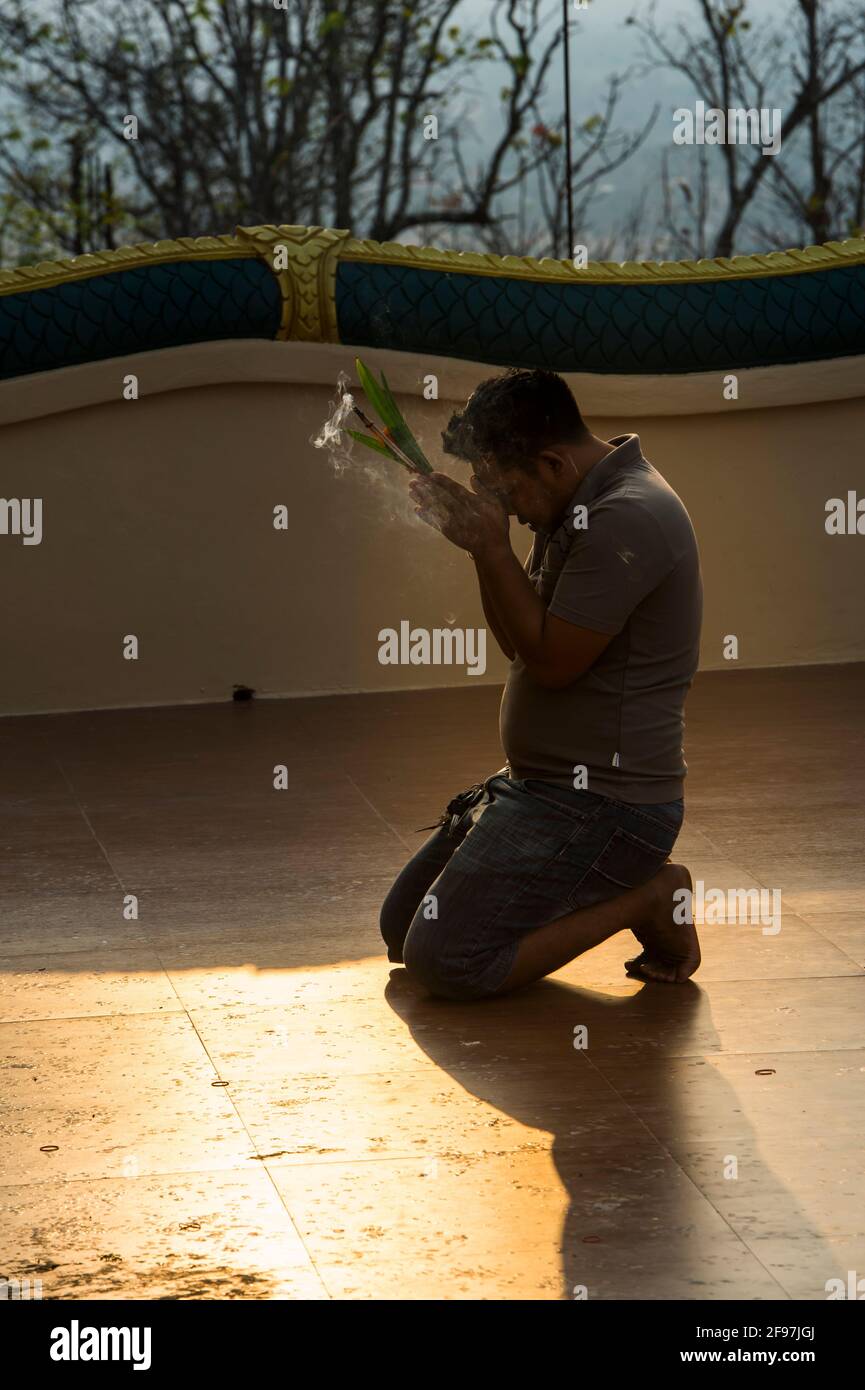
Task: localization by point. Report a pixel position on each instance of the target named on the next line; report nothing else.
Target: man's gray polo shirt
(632, 570)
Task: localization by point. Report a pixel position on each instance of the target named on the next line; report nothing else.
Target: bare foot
(671, 950)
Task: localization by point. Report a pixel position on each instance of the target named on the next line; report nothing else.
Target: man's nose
(495, 486)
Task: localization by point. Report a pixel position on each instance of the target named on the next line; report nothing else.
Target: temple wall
(157, 522)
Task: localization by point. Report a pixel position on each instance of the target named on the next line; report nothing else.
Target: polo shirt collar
(626, 450)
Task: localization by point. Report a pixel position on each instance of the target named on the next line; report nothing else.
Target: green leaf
(283, 86)
(334, 20)
(372, 443)
(374, 393)
(402, 434)
(381, 397)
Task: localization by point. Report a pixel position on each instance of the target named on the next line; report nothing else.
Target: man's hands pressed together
(475, 521)
(554, 652)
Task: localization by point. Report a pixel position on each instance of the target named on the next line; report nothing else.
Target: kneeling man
(570, 842)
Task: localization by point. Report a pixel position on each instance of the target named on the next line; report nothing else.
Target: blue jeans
(509, 857)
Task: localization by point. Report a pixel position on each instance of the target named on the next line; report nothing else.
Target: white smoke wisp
(387, 479)
(333, 436)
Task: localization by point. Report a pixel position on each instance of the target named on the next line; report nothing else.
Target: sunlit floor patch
(232, 1094)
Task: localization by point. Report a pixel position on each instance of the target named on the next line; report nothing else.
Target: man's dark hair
(513, 417)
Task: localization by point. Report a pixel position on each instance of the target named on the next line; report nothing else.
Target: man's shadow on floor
(637, 1225)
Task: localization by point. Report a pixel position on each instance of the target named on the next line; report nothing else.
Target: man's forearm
(507, 589)
(495, 620)
(555, 651)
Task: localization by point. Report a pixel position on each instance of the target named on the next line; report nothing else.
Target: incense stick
(386, 440)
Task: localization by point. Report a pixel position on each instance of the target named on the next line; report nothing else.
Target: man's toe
(654, 971)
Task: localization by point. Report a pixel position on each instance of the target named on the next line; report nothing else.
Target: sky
(602, 45)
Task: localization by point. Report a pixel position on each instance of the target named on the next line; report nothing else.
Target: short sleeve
(611, 566)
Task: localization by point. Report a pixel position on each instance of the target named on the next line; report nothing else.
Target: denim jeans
(511, 856)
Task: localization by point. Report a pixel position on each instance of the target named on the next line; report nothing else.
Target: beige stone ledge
(255, 360)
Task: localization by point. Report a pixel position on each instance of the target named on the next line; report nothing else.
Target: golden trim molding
(828, 257)
(48, 273)
(307, 281)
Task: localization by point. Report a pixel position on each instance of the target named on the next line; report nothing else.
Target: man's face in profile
(532, 494)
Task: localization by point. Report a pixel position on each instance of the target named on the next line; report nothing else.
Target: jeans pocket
(666, 817)
(628, 861)
(656, 817)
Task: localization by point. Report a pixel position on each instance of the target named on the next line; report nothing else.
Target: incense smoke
(386, 476)
(382, 494)
(332, 435)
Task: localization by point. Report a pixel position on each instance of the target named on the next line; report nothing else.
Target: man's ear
(554, 460)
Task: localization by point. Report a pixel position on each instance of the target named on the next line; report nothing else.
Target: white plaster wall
(158, 522)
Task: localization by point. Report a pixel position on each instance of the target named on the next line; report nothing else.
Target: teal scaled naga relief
(316, 285)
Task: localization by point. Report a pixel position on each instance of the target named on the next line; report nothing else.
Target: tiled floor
(234, 1095)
